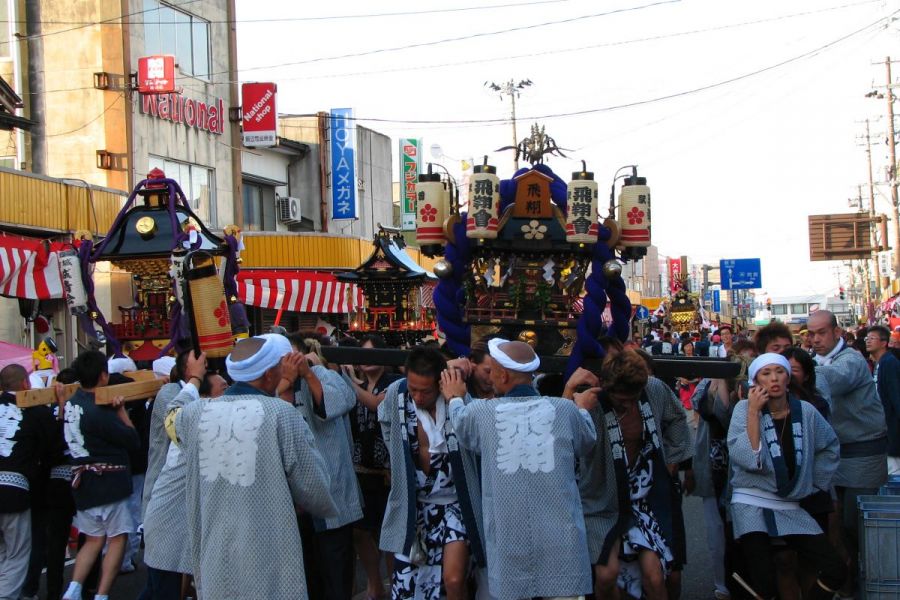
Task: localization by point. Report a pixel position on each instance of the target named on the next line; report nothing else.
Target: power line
(89, 24)
(77, 129)
(407, 13)
(456, 39)
(558, 50)
(640, 102)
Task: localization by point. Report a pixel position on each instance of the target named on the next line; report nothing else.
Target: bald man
(250, 459)
(534, 532)
(858, 419)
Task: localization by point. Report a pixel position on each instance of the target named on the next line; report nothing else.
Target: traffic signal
(841, 292)
(769, 303)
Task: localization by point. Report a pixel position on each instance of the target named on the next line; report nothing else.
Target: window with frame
(259, 206)
(798, 309)
(198, 184)
(779, 309)
(168, 30)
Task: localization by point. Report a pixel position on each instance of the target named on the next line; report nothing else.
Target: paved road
(697, 581)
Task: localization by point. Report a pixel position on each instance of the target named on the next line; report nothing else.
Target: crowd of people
(474, 477)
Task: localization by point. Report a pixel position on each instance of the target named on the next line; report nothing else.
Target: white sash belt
(762, 499)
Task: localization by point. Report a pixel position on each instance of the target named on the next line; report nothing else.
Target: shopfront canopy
(29, 268)
(297, 291)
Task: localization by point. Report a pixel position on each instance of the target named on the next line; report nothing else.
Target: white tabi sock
(73, 592)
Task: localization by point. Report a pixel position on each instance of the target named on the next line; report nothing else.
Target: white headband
(764, 360)
(120, 365)
(275, 348)
(508, 363)
(163, 366)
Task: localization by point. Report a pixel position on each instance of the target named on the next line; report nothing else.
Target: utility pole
(876, 268)
(892, 171)
(511, 89)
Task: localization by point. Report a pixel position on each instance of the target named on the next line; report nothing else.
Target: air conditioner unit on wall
(288, 210)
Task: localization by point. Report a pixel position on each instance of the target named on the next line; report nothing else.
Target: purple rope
(84, 253)
(590, 325)
(450, 296)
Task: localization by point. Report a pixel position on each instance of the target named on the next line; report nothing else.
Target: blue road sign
(717, 301)
(740, 273)
(707, 297)
(642, 313)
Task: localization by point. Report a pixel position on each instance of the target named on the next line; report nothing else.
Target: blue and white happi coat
(534, 533)
(764, 497)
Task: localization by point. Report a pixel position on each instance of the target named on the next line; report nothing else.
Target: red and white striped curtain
(297, 291)
(29, 269)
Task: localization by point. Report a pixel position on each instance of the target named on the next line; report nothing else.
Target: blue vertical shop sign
(343, 164)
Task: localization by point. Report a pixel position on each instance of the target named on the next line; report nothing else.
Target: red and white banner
(674, 275)
(297, 291)
(29, 269)
(156, 74)
(259, 118)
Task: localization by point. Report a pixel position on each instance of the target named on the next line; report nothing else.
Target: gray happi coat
(858, 419)
(167, 548)
(756, 470)
(330, 426)
(159, 440)
(250, 459)
(529, 445)
(598, 485)
(398, 529)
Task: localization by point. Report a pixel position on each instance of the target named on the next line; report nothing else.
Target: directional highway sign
(740, 273)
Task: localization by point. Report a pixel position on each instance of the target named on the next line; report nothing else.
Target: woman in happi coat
(627, 484)
(782, 451)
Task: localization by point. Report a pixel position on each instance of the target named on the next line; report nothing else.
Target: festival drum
(208, 307)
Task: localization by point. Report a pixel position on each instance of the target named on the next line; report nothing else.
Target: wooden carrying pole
(136, 390)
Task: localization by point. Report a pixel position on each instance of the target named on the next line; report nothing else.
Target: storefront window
(798, 309)
(171, 31)
(779, 309)
(197, 183)
(259, 206)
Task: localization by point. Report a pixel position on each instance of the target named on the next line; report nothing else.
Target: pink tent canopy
(15, 354)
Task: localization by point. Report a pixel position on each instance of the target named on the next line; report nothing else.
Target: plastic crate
(879, 547)
(891, 488)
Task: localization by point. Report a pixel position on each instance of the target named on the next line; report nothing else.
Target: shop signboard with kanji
(410, 157)
(343, 164)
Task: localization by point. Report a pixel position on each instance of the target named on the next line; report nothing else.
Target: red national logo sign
(156, 74)
(260, 119)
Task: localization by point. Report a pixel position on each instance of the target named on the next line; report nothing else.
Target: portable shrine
(396, 290)
(533, 259)
(154, 236)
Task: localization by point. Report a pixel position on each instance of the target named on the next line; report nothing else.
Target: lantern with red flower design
(634, 213)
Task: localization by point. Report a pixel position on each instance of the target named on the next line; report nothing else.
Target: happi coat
(330, 426)
(764, 498)
(858, 419)
(166, 547)
(604, 486)
(250, 458)
(534, 534)
(398, 531)
(159, 440)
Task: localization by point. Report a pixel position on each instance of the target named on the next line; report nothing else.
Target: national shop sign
(259, 117)
(205, 116)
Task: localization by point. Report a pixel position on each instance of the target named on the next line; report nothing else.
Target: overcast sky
(734, 169)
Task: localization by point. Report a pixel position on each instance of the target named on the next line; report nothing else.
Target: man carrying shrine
(529, 445)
